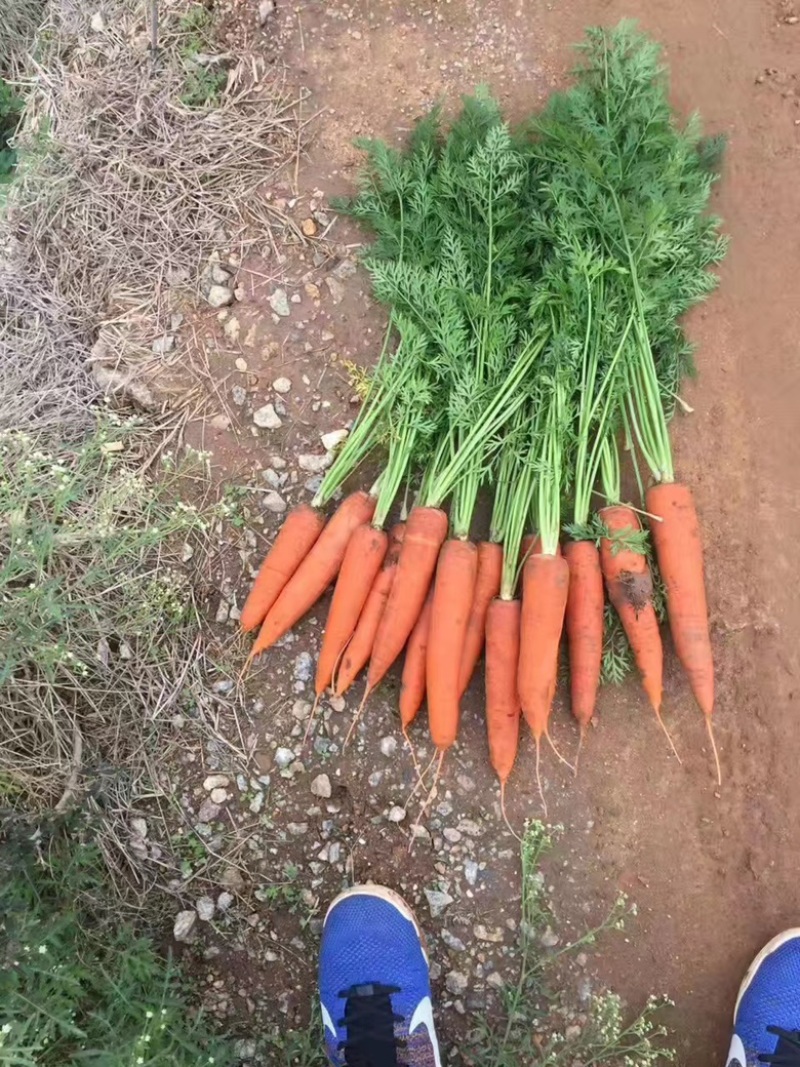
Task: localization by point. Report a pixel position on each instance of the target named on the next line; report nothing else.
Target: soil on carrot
(713, 870)
(637, 589)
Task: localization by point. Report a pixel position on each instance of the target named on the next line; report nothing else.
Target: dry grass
(121, 192)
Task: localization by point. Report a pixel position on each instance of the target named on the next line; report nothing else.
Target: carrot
(630, 590)
(316, 572)
(425, 531)
(584, 624)
(300, 530)
(679, 551)
(362, 561)
(487, 586)
(450, 611)
(545, 583)
(502, 694)
(412, 685)
(360, 645)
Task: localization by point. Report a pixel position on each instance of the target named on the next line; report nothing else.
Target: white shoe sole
(767, 950)
(382, 892)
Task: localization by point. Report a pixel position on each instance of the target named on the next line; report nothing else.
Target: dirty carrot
(362, 561)
(679, 552)
(316, 572)
(360, 645)
(300, 530)
(503, 708)
(487, 586)
(584, 625)
(412, 684)
(450, 611)
(425, 531)
(630, 590)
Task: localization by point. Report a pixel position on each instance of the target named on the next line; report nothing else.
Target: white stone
(314, 464)
(219, 296)
(282, 385)
(216, 781)
(274, 502)
(333, 439)
(267, 418)
(396, 813)
(185, 922)
(205, 908)
(321, 787)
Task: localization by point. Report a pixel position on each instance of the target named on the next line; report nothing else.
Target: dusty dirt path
(713, 871)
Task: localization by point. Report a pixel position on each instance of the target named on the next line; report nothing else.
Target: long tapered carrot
(584, 625)
(453, 594)
(426, 529)
(679, 551)
(317, 570)
(300, 530)
(412, 684)
(545, 584)
(362, 561)
(630, 590)
(487, 586)
(503, 709)
(360, 645)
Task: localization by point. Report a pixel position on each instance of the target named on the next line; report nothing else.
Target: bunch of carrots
(534, 282)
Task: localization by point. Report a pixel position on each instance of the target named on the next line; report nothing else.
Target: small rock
(240, 364)
(224, 900)
(219, 796)
(139, 826)
(452, 835)
(465, 783)
(456, 983)
(282, 385)
(219, 422)
(437, 901)
(162, 346)
(274, 502)
(585, 989)
(388, 745)
(267, 418)
(222, 688)
(279, 302)
(98, 23)
(396, 813)
(297, 829)
(455, 944)
(219, 296)
(581, 959)
(218, 274)
(257, 803)
(309, 227)
(303, 667)
(265, 9)
(208, 810)
(495, 980)
(375, 779)
(336, 289)
(216, 781)
(334, 852)
(283, 757)
(333, 439)
(314, 464)
(346, 269)
(321, 787)
(549, 938)
(471, 872)
(231, 878)
(337, 702)
(483, 934)
(205, 908)
(239, 395)
(232, 328)
(183, 929)
(467, 826)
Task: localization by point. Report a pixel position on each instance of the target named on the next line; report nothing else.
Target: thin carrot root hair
(431, 793)
(414, 759)
(503, 812)
(668, 736)
(310, 722)
(356, 717)
(714, 750)
(421, 776)
(563, 759)
(538, 741)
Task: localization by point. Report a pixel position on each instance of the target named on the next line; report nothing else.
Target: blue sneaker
(374, 985)
(766, 1019)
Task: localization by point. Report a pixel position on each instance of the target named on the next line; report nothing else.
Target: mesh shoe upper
(768, 1013)
(374, 985)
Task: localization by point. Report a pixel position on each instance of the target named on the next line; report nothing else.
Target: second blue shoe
(766, 1020)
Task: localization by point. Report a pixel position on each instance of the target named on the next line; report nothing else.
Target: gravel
(274, 502)
(333, 439)
(267, 418)
(321, 787)
(313, 463)
(205, 908)
(219, 296)
(216, 781)
(282, 385)
(437, 901)
(283, 757)
(388, 746)
(279, 302)
(303, 667)
(455, 944)
(456, 983)
(183, 928)
(208, 811)
(471, 871)
(396, 813)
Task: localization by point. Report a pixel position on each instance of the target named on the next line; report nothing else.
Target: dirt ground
(713, 871)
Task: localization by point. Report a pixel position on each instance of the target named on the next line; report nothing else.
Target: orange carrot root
(412, 684)
(487, 586)
(584, 625)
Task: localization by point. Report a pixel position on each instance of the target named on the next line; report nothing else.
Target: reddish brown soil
(714, 871)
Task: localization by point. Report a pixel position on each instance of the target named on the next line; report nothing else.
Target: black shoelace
(787, 1052)
(369, 1021)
